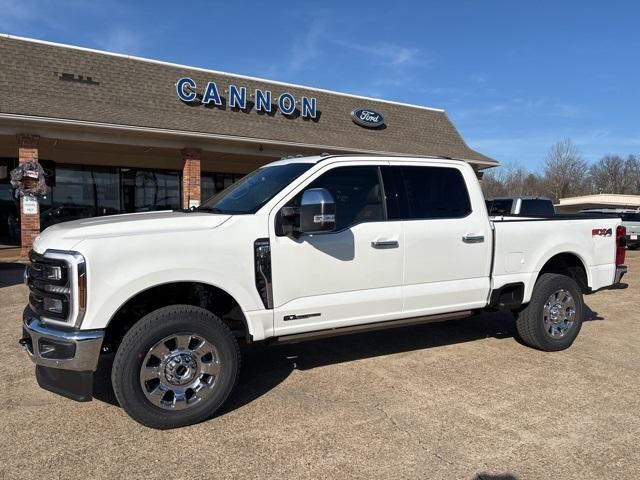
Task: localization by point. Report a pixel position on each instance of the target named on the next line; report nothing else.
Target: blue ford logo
(365, 117)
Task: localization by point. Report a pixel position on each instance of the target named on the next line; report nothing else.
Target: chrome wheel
(559, 313)
(180, 371)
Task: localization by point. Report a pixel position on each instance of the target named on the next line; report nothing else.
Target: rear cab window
(425, 192)
(500, 206)
(536, 206)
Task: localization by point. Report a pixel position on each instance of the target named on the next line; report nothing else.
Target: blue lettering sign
(308, 107)
(237, 97)
(287, 103)
(189, 96)
(211, 94)
(263, 101)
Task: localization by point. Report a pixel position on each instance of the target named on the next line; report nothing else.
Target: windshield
(255, 190)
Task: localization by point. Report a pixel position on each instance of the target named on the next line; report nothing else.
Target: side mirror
(317, 211)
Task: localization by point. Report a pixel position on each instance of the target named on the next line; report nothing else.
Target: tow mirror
(317, 211)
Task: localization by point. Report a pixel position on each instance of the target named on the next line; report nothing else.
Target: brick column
(191, 176)
(29, 223)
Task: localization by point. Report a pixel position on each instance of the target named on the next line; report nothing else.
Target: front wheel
(175, 367)
(553, 318)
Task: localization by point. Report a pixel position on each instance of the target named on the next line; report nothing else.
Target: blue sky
(514, 76)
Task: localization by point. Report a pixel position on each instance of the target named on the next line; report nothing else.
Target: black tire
(530, 323)
(634, 247)
(146, 334)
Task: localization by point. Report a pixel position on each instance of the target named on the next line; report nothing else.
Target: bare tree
(512, 179)
(492, 184)
(632, 167)
(565, 174)
(565, 171)
(612, 174)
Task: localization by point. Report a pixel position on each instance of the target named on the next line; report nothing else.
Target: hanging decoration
(28, 180)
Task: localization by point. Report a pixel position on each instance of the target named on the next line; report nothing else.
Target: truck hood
(64, 236)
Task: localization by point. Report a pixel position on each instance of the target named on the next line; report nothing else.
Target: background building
(119, 134)
(603, 200)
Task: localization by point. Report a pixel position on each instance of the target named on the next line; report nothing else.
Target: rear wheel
(175, 367)
(553, 318)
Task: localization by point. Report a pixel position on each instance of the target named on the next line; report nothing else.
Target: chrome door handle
(473, 238)
(385, 244)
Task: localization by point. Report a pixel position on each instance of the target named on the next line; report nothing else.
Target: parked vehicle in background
(300, 249)
(520, 205)
(630, 220)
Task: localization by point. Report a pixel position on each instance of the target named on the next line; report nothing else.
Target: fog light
(56, 350)
(52, 305)
(52, 273)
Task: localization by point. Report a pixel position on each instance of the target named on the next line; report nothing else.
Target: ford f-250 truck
(299, 249)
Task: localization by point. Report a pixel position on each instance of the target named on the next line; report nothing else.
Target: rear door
(447, 242)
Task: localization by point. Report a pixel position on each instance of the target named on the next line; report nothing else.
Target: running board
(368, 327)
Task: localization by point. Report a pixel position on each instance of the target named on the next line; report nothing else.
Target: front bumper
(65, 359)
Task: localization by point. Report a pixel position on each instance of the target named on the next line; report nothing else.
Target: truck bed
(522, 246)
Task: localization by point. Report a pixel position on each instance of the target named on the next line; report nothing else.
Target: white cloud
(121, 40)
(305, 49)
(386, 53)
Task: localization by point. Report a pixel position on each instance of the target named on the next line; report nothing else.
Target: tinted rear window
(537, 207)
(631, 217)
(499, 207)
(434, 192)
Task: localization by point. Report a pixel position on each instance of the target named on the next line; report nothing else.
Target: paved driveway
(457, 400)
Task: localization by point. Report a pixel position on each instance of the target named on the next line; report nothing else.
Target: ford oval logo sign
(365, 117)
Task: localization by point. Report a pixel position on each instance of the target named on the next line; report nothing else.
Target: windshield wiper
(200, 209)
(208, 209)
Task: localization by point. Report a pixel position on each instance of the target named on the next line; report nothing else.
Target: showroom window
(9, 213)
(79, 191)
(212, 183)
(147, 190)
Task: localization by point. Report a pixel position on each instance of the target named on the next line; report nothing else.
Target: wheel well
(198, 294)
(570, 265)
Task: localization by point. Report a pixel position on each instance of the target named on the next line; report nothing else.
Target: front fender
(101, 310)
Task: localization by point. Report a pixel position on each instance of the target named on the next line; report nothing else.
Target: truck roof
(320, 158)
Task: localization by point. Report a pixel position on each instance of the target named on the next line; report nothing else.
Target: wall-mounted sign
(365, 117)
(239, 98)
(29, 205)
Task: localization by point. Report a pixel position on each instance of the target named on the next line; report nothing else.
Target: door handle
(385, 244)
(473, 238)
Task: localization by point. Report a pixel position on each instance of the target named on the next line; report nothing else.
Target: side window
(434, 192)
(357, 193)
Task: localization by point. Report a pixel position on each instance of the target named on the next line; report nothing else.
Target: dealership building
(117, 134)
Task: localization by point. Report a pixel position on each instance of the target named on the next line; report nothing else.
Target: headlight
(58, 285)
(50, 272)
(53, 305)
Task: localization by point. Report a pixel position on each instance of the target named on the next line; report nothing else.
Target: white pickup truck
(299, 249)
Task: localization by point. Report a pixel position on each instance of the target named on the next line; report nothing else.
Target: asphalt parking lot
(457, 400)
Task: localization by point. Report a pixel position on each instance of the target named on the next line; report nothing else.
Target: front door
(349, 276)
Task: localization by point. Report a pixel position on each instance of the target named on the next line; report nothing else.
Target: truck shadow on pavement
(265, 367)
